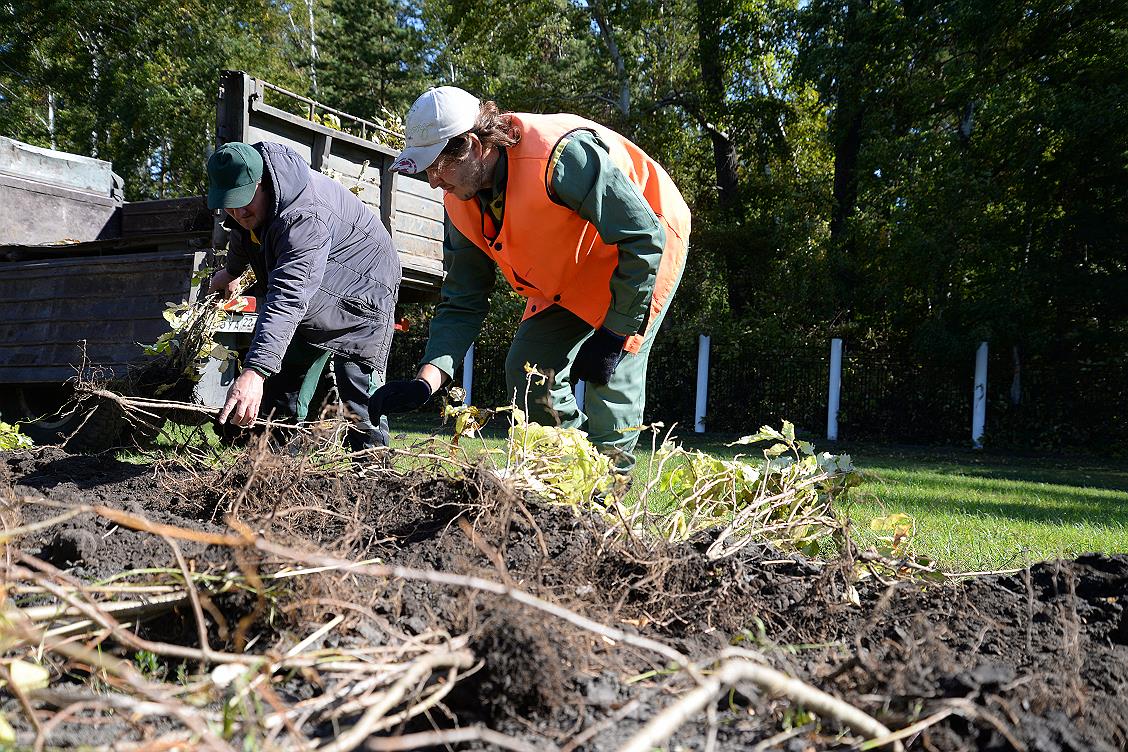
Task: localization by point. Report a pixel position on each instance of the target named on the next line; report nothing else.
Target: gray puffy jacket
(331, 272)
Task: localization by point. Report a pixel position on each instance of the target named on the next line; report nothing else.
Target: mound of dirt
(1036, 660)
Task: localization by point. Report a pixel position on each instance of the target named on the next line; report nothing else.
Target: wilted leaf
(890, 522)
(27, 676)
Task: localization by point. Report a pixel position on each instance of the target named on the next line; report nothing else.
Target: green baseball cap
(233, 175)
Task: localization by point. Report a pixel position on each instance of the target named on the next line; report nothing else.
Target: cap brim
(415, 159)
(232, 198)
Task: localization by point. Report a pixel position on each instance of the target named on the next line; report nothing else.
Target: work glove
(598, 357)
(399, 397)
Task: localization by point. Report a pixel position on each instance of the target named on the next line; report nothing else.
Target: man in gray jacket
(331, 276)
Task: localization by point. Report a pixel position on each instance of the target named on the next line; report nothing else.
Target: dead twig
(454, 736)
(420, 669)
(33, 527)
(907, 731)
(736, 669)
(136, 522)
(194, 596)
(776, 740)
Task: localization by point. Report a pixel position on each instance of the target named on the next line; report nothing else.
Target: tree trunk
(710, 14)
(608, 33)
(846, 135)
(312, 50)
(51, 117)
(847, 145)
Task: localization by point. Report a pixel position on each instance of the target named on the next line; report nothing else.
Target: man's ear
(477, 148)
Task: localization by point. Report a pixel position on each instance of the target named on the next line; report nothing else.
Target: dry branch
(734, 670)
(419, 670)
(455, 736)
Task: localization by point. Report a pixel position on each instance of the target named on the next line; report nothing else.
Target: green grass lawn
(987, 511)
(974, 510)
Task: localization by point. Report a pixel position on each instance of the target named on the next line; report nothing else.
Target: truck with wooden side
(85, 276)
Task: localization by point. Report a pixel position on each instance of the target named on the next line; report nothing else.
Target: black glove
(598, 357)
(399, 397)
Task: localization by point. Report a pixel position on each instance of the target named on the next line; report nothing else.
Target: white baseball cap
(437, 116)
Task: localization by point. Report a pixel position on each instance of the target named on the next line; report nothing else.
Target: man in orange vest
(582, 223)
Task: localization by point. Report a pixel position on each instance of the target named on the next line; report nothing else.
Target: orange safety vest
(548, 252)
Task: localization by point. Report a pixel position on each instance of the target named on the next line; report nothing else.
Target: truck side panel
(48, 307)
(418, 221)
(408, 206)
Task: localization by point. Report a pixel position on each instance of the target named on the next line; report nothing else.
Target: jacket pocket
(363, 309)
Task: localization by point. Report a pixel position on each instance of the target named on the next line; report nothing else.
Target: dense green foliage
(131, 81)
(914, 176)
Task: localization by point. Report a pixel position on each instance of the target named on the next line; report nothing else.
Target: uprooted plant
(173, 365)
(323, 499)
(786, 497)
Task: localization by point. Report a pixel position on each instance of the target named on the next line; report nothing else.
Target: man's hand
(399, 397)
(243, 399)
(223, 282)
(598, 357)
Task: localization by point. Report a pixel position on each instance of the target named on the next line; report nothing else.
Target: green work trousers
(611, 414)
(291, 392)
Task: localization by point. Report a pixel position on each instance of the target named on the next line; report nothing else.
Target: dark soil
(1038, 660)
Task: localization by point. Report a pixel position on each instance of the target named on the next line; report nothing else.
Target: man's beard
(476, 176)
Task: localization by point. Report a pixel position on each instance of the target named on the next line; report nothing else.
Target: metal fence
(1059, 403)
(885, 396)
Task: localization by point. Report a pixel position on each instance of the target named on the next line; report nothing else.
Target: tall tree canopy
(920, 173)
(131, 81)
(372, 58)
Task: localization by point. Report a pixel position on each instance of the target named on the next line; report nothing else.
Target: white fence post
(581, 390)
(468, 375)
(834, 395)
(979, 397)
(702, 381)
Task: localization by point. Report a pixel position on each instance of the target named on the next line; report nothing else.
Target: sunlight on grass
(973, 523)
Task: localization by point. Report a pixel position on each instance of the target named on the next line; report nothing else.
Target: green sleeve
(585, 179)
(464, 301)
